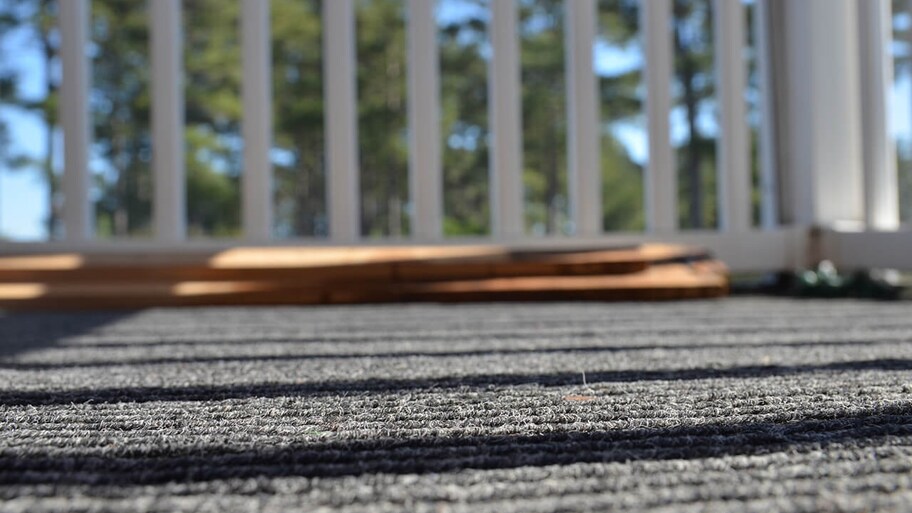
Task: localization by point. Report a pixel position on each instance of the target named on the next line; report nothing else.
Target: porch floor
(740, 404)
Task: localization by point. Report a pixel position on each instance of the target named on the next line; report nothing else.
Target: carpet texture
(741, 405)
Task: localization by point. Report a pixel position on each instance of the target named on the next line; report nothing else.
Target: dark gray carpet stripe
(221, 393)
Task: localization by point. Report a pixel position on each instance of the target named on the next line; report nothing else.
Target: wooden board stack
(344, 275)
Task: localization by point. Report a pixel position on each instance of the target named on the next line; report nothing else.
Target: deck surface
(739, 404)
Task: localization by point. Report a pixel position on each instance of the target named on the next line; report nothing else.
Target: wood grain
(359, 275)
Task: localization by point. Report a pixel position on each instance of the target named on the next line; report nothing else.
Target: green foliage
(214, 196)
(121, 109)
(544, 115)
(382, 119)
(464, 124)
(121, 106)
(695, 90)
(622, 189)
(622, 104)
(298, 107)
(212, 63)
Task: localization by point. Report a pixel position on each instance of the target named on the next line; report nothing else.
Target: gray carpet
(731, 405)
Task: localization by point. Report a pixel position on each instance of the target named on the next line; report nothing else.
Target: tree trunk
(301, 197)
(692, 169)
(121, 220)
(551, 178)
(50, 124)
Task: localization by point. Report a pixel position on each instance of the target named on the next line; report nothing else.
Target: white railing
(814, 71)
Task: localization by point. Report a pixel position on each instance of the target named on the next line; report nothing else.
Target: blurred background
(120, 158)
(120, 154)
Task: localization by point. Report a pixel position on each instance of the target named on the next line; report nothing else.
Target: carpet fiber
(729, 405)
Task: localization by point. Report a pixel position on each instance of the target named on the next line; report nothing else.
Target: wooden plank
(126, 296)
(536, 263)
(668, 281)
(659, 282)
(652, 253)
(172, 274)
(357, 275)
(240, 258)
(662, 282)
(334, 265)
(295, 257)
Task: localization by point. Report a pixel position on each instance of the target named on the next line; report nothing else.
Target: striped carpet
(743, 404)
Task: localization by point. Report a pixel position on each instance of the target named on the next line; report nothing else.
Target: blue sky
(23, 204)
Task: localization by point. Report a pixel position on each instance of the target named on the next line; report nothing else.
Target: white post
(169, 208)
(74, 117)
(504, 99)
(769, 188)
(583, 110)
(879, 150)
(339, 86)
(256, 90)
(733, 169)
(824, 157)
(661, 178)
(425, 166)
